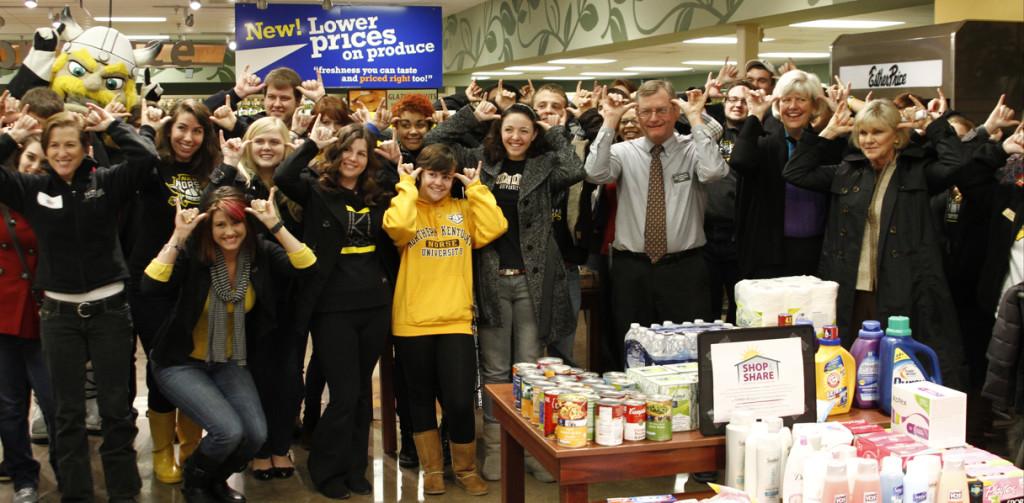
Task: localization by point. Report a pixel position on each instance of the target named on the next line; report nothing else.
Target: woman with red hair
(411, 118)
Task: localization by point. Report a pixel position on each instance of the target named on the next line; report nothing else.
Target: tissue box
(683, 390)
(933, 413)
(999, 483)
(682, 368)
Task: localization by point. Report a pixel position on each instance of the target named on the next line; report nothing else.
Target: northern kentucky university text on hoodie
(434, 292)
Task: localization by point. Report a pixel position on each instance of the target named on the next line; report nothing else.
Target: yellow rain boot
(189, 435)
(161, 427)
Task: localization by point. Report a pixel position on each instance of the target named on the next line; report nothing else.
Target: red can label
(550, 412)
(636, 421)
(785, 320)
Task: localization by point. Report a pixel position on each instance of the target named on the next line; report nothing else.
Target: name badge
(48, 201)
(1010, 214)
(680, 177)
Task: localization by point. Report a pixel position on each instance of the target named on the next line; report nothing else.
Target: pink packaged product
(880, 445)
(1001, 483)
(862, 427)
(973, 456)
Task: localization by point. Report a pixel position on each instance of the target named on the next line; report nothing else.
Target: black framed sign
(768, 371)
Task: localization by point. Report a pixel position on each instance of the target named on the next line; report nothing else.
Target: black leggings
(278, 378)
(148, 314)
(348, 345)
(431, 363)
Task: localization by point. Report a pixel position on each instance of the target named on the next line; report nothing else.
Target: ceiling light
(568, 77)
(852, 24)
(148, 37)
(535, 68)
(31, 4)
(581, 61)
(195, 5)
(498, 73)
(610, 74)
(481, 77)
(232, 45)
(706, 62)
(658, 69)
(719, 40)
(130, 19)
(795, 55)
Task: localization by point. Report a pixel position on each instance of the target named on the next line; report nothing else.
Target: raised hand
(713, 87)
(758, 103)
(914, 116)
(301, 121)
(841, 123)
(527, 93)
(486, 111)
(224, 116)
(1001, 117)
(313, 89)
(938, 105)
(185, 221)
(360, 114)
(613, 106)
(265, 210)
(406, 168)
(837, 93)
(117, 109)
(231, 150)
(1014, 144)
(390, 150)
(153, 117)
(552, 119)
(788, 66)
(248, 84)
(693, 106)
(98, 119)
(583, 100)
(504, 98)
(382, 119)
(25, 126)
(728, 73)
(12, 108)
(469, 176)
(439, 115)
(322, 136)
(474, 92)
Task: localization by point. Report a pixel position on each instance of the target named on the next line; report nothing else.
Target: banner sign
(355, 47)
(889, 75)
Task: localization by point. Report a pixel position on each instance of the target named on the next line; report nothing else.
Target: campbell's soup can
(592, 399)
(785, 320)
(572, 420)
(538, 400)
(659, 418)
(633, 394)
(557, 369)
(610, 421)
(603, 387)
(613, 394)
(548, 360)
(573, 385)
(613, 374)
(549, 411)
(635, 427)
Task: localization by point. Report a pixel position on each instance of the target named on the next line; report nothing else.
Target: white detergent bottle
(793, 475)
(892, 480)
(769, 465)
(757, 431)
(915, 482)
(735, 444)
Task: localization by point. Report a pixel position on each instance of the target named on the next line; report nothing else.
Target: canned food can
(572, 420)
(622, 384)
(538, 400)
(564, 378)
(659, 418)
(635, 395)
(521, 366)
(556, 369)
(831, 332)
(587, 375)
(592, 399)
(593, 382)
(548, 360)
(518, 371)
(609, 423)
(601, 388)
(573, 385)
(548, 413)
(612, 374)
(785, 320)
(613, 394)
(635, 427)
(575, 371)
(526, 404)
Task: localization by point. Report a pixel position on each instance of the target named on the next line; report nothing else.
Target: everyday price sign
(926, 73)
(359, 46)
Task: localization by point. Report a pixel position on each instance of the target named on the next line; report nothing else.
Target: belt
(85, 309)
(511, 272)
(665, 259)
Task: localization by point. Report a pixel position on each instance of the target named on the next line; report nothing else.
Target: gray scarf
(221, 296)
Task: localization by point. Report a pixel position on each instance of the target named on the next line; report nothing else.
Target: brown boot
(464, 464)
(189, 434)
(428, 448)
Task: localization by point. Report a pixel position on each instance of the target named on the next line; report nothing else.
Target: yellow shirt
(434, 291)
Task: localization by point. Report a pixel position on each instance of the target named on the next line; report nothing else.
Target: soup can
(609, 423)
(548, 360)
(557, 369)
(538, 400)
(564, 379)
(592, 399)
(603, 387)
(587, 375)
(622, 384)
(573, 385)
(659, 418)
(614, 395)
(519, 371)
(526, 404)
(549, 412)
(572, 420)
(635, 427)
(612, 374)
(593, 383)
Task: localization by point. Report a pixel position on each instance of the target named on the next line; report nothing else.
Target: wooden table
(687, 452)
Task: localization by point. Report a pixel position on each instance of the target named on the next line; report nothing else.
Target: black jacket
(1005, 218)
(190, 285)
(325, 221)
(77, 222)
(911, 281)
(1004, 383)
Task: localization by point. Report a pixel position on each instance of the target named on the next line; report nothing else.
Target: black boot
(198, 475)
(407, 457)
(219, 486)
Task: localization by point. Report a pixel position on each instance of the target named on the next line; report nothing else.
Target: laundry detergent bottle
(835, 374)
(901, 361)
(865, 353)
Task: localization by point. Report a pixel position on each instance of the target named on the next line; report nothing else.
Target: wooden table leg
(573, 493)
(388, 424)
(512, 474)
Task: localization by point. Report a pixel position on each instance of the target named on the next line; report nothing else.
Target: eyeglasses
(625, 122)
(646, 113)
(735, 100)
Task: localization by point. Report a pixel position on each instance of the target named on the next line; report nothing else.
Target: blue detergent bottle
(901, 361)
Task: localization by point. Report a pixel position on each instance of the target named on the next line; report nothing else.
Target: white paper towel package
(760, 301)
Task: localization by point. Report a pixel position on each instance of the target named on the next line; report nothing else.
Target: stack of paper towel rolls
(760, 301)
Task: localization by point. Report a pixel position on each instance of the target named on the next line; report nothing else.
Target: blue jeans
(21, 370)
(563, 347)
(516, 340)
(222, 398)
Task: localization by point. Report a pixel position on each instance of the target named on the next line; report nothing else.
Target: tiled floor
(390, 482)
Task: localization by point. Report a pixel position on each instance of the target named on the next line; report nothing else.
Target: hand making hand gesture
(248, 84)
(469, 176)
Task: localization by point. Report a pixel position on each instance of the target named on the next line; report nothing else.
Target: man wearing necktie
(658, 272)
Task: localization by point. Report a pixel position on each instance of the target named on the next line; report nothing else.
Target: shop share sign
(356, 47)
(926, 73)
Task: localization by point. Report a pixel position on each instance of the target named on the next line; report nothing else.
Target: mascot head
(97, 65)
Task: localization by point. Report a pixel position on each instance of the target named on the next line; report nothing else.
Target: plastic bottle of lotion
(915, 482)
(933, 469)
(866, 485)
(892, 480)
(953, 482)
(814, 476)
(735, 444)
(793, 476)
(769, 465)
(836, 488)
(865, 353)
(758, 430)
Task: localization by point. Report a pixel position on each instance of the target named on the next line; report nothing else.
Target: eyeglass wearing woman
(226, 285)
(73, 208)
(189, 152)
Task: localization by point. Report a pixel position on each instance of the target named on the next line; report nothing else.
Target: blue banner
(356, 47)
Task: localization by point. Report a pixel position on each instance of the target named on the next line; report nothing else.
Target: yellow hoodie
(434, 293)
